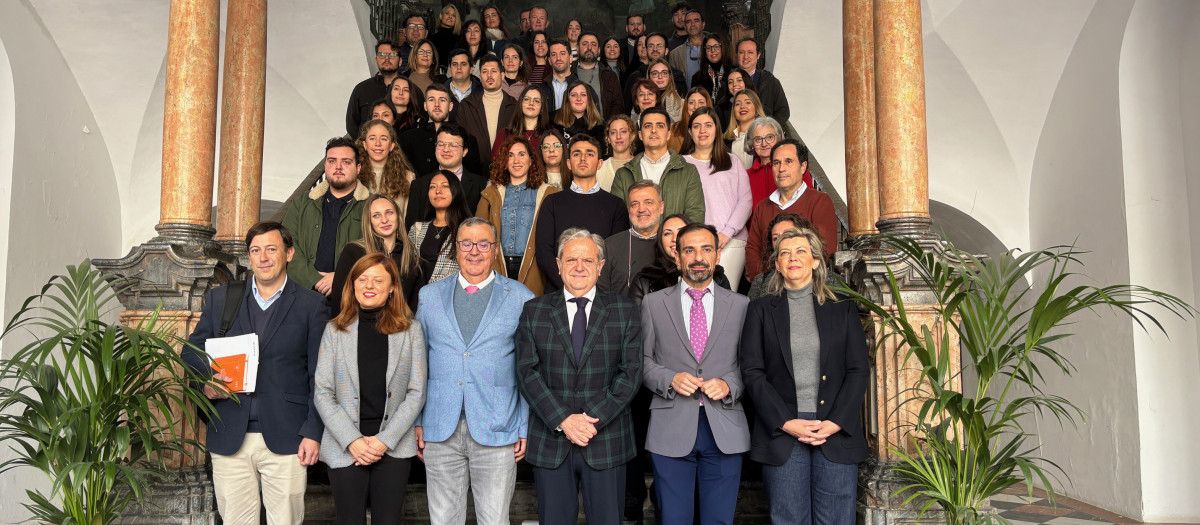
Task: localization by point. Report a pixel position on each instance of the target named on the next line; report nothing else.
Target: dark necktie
(579, 326)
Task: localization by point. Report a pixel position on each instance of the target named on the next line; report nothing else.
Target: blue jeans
(809, 489)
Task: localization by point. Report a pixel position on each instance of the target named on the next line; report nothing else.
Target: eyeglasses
(654, 46)
(448, 145)
(416, 26)
(714, 47)
(555, 145)
(659, 74)
(765, 139)
(387, 55)
(426, 52)
(484, 246)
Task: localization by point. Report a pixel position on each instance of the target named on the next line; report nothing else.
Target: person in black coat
(450, 157)
(664, 271)
(805, 366)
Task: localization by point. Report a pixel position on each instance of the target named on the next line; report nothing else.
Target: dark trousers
(717, 474)
(381, 485)
(636, 469)
(558, 491)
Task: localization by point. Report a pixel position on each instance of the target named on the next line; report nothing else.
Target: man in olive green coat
(329, 218)
(680, 182)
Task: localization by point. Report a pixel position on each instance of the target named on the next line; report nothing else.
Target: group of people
(505, 264)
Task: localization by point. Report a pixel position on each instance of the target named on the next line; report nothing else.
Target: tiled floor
(1016, 505)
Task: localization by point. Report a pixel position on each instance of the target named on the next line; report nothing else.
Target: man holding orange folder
(264, 439)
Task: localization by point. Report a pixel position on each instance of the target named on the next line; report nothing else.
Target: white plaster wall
(1190, 107)
(314, 58)
(1160, 252)
(64, 204)
(1076, 196)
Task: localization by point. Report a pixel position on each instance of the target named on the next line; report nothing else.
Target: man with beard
(679, 21)
(486, 109)
(633, 249)
(698, 428)
(358, 111)
(686, 57)
(560, 67)
(419, 143)
(635, 26)
(329, 218)
(601, 80)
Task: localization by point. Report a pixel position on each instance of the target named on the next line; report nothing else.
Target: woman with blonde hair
(449, 30)
(422, 68)
(659, 72)
(746, 107)
(382, 232)
(579, 113)
(511, 203)
(805, 366)
(369, 390)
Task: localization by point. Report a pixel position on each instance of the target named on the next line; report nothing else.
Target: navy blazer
(287, 365)
(768, 377)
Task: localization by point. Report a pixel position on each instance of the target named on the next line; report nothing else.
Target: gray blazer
(336, 393)
(668, 350)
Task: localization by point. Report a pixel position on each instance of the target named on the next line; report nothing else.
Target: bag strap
(236, 290)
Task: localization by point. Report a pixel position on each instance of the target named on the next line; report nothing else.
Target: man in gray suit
(697, 427)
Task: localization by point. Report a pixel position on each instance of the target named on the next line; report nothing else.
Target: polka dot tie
(698, 323)
(472, 289)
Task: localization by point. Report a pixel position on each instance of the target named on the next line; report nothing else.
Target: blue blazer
(479, 375)
(287, 364)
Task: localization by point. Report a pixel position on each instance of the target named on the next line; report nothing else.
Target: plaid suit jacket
(601, 385)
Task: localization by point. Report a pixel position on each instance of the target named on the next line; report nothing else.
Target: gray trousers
(458, 463)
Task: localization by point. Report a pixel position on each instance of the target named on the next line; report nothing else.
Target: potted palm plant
(92, 405)
(1008, 313)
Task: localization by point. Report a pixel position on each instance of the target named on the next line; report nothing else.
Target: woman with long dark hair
(531, 120)
(511, 203)
(383, 232)
(472, 41)
(494, 29)
(727, 202)
(736, 80)
(571, 35)
(406, 98)
(714, 66)
(539, 67)
(516, 71)
(369, 391)
(434, 235)
(554, 148)
(612, 53)
(664, 271)
(805, 367)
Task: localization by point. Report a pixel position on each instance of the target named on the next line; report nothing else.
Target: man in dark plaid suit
(579, 363)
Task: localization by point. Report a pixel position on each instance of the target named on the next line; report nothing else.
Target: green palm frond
(1009, 313)
(92, 405)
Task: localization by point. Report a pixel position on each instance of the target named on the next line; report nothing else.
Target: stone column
(858, 82)
(243, 98)
(190, 117)
(900, 118)
(172, 272)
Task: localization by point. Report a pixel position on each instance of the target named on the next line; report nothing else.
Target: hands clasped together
(811, 431)
(686, 384)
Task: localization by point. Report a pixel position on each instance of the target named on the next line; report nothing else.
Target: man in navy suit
(265, 440)
(473, 430)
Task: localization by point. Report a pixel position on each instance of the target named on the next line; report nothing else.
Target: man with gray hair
(579, 389)
(473, 430)
(633, 249)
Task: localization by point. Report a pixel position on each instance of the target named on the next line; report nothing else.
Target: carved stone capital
(174, 269)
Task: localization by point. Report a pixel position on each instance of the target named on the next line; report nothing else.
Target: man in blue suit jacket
(475, 421)
(265, 440)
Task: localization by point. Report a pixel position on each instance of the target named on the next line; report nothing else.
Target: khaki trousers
(238, 478)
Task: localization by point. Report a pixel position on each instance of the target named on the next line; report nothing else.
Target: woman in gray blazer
(370, 387)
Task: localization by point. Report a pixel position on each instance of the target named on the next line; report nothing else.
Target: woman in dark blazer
(805, 367)
(370, 388)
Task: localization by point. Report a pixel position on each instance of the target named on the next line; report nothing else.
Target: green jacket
(680, 184)
(303, 220)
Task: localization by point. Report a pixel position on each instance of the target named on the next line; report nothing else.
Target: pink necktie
(698, 322)
(472, 289)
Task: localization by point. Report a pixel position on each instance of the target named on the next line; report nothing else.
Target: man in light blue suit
(473, 429)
